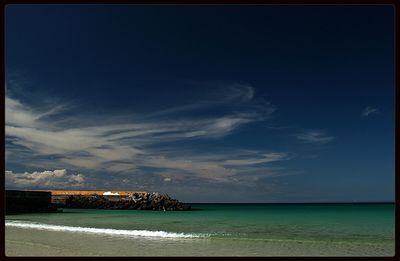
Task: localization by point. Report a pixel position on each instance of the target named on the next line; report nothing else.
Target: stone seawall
(18, 201)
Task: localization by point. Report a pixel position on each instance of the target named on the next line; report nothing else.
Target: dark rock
(143, 201)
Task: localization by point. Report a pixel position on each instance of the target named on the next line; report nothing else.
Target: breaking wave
(104, 231)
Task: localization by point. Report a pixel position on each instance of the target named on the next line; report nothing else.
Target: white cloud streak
(369, 110)
(237, 94)
(315, 137)
(222, 167)
(265, 158)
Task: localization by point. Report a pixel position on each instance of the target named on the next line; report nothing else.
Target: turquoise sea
(209, 230)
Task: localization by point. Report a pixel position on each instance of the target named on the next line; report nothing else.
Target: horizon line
(344, 202)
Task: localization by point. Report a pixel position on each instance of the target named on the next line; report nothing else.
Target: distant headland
(20, 201)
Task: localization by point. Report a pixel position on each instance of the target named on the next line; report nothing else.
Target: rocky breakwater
(140, 201)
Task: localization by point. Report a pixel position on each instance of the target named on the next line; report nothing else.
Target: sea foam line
(105, 231)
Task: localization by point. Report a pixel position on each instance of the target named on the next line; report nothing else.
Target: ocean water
(209, 230)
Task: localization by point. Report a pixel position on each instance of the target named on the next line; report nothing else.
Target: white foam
(105, 231)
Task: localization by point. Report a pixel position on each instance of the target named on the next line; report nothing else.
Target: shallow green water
(358, 227)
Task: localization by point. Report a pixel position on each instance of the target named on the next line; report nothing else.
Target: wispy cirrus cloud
(237, 166)
(314, 137)
(50, 139)
(261, 158)
(238, 95)
(369, 110)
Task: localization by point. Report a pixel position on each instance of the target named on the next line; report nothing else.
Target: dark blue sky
(206, 103)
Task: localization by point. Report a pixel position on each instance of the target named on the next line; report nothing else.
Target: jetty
(20, 201)
(139, 200)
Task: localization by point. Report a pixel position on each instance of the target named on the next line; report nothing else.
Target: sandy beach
(26, 242)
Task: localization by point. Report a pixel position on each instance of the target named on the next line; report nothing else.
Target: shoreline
(27, 242)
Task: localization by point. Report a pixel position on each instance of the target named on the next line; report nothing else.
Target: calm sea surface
(212, 230)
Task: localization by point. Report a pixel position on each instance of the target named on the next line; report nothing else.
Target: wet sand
(27, 242)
